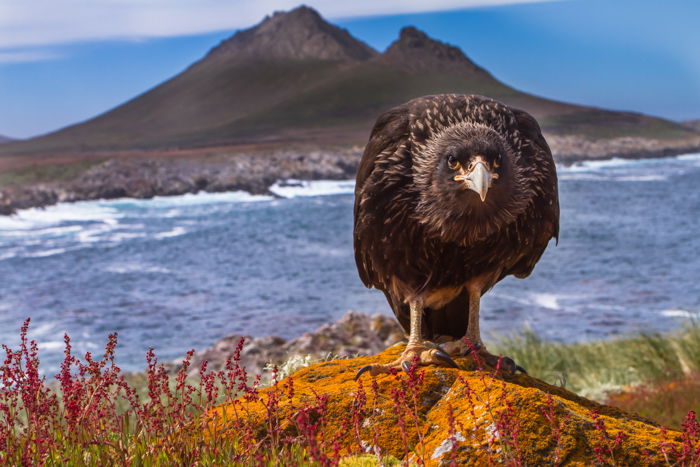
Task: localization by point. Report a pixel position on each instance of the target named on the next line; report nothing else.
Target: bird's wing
(390, 132)
(542, 174)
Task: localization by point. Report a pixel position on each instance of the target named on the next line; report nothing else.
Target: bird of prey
(454, 193)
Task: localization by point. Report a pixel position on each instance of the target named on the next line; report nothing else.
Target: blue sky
(75, 61)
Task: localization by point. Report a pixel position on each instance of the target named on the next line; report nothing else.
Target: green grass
(598, 123)
(45, 173)
(594, 369)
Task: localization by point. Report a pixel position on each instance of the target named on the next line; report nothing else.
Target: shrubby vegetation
(91, 413)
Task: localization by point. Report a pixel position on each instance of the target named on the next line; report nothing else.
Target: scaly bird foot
(423, 353)
(463, 347)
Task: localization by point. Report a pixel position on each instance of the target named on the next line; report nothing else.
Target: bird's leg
(417, 350)
(472, 342)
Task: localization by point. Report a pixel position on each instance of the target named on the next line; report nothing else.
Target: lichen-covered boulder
(441, 416)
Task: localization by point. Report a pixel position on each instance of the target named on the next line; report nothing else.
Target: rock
(573, 148)
(354, 334)
(255, 172)
(300, 34)
(442, 415)
(142, 177)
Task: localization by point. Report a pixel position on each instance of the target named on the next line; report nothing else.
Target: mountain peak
(297, 34)
(416, 52)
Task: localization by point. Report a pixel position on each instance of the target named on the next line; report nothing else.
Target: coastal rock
(443, 416)
(573, 148)
(144, 178)
(352, 335)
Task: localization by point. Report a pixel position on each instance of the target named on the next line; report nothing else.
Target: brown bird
(454, 193)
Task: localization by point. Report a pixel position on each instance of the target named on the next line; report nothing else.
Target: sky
(65, 61)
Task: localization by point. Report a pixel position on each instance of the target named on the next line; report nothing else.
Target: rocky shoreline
(146, 177)
(352, 335)
(568, 149)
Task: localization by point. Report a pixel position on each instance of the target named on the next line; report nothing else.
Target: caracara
(454, 193)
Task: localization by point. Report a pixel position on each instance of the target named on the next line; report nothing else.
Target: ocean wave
(619, 163)
(546, 300)
(44, 253)
(188, 199)
(128, 268)
(110, 211)
(295, 188)
(689, 157)
(610, 177)
(51, 345)
(537, 299)
(38, 218)
(94, 234)
(595, 165)
(630, 170)
(176, 232)
(680, 313)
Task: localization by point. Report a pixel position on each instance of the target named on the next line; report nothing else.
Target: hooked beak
(477, 177)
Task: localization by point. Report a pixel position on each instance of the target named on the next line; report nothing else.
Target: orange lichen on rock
(440, 415)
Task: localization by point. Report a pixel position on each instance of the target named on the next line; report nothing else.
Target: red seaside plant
(92, 414)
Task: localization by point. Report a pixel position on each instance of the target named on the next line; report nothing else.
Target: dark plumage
(454, 193)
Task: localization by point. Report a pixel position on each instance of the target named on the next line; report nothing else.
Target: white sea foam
(294, 188)
(618, 163)
(41, 254)
(641, 178)
(94, 234)
(546, 300)
(539, 299)
(51, 345)
(127, 268)
(689, 157)
(121, 236)
(629, 170)
(593, 165)
(177, 231)
(192, 199)
(34, 218)
(110, 211)
(42, 329)
(680, 313)
(581, 176)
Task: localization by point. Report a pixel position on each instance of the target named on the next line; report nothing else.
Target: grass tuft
(595, 369)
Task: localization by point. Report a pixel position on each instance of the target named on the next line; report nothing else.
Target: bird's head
(468, 175)
(474, 164)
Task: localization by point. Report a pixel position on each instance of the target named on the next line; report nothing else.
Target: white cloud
(31, 23)
(21, 56)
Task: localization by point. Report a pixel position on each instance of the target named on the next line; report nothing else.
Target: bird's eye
(452, 161)
(497, 160)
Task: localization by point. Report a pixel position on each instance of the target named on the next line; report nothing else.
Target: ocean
(178, 273)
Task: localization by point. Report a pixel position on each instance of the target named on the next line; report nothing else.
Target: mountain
(300, 34)
(296, 78)
(692, 125)
(5, 139)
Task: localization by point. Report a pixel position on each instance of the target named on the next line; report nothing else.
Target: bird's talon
(442, 355)
(362, 370)
(471, 349)
(406, 366)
